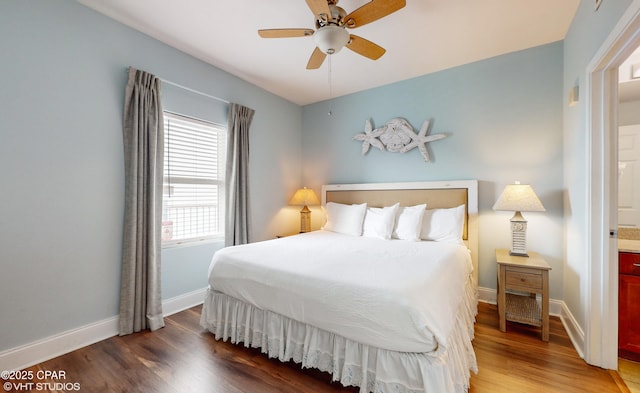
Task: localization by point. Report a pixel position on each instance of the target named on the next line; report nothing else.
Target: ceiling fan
(331, 33)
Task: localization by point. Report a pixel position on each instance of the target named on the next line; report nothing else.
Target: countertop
(626, 245)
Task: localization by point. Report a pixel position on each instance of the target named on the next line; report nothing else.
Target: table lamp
(519, 198)
(304, 197)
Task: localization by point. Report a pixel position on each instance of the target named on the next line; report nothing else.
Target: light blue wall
(61, 98)
(503, 118)
(588, 31)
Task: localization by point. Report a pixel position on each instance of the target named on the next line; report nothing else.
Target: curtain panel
(140, 291)
(237, 222)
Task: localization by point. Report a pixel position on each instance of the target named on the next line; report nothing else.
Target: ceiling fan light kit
(330, 39)
(331, 24)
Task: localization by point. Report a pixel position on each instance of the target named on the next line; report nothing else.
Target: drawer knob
(636, 265)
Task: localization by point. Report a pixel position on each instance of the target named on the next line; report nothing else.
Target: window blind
(193, 192)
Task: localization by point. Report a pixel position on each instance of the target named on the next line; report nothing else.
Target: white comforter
(391, 294)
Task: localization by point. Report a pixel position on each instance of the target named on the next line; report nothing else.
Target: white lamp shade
(303, 197)
(519, 198)
(330, 39)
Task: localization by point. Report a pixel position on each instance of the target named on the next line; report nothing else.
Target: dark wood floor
(183, 358)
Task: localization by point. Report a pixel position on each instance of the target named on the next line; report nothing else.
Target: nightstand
(529, 275)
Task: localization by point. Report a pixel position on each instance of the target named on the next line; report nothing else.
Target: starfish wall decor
(397, 136)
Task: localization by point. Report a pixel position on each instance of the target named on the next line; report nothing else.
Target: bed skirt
(447, 370)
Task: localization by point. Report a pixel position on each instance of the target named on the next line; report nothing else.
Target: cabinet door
(629, 314)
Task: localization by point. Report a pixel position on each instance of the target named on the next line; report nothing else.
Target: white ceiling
(424, 37)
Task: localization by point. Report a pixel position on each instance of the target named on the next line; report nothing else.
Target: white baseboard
(575, 332)
(557, 308)
(183, 302)
(50, 347)
(487, 295)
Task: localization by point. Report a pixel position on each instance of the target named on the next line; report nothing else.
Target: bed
(376, 307)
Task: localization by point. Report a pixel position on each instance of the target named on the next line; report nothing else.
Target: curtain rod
(194, 91)
(190, 89)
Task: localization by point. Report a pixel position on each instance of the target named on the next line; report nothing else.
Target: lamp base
(305, 219)
(517, 254)
(518, 235)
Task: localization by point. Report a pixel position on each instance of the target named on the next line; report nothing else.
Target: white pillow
(443, 225)
(379, 221)
(345, 219)
(409, 223)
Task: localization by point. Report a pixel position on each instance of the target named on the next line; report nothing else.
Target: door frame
(601, 331)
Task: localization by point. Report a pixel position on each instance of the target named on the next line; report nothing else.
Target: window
(193, 192)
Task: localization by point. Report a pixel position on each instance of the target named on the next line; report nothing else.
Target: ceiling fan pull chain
(330, 84)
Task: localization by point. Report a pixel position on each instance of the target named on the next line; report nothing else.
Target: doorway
(629, 147)
(628, 217)
(601, 331)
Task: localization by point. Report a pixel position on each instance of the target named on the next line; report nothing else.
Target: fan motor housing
(337, 17)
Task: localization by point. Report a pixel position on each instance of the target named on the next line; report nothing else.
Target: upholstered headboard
(441, 194)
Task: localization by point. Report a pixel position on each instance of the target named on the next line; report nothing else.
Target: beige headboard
(435, 194)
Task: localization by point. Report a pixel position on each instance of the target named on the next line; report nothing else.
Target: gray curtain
(140, 292)
(237, 175)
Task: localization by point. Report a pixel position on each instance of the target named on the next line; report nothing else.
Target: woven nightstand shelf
(523, 309)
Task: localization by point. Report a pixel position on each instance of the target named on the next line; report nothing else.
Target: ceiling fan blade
(316, 59)
(285, 33)
(319, 7)
(372, 11)
(365, 47)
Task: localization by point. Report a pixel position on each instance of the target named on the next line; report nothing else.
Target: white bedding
(391, 294)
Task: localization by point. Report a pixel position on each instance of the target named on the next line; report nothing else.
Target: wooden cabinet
(629, 306)
(528, 275)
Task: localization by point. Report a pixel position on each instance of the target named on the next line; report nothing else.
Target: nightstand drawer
(518, 278)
